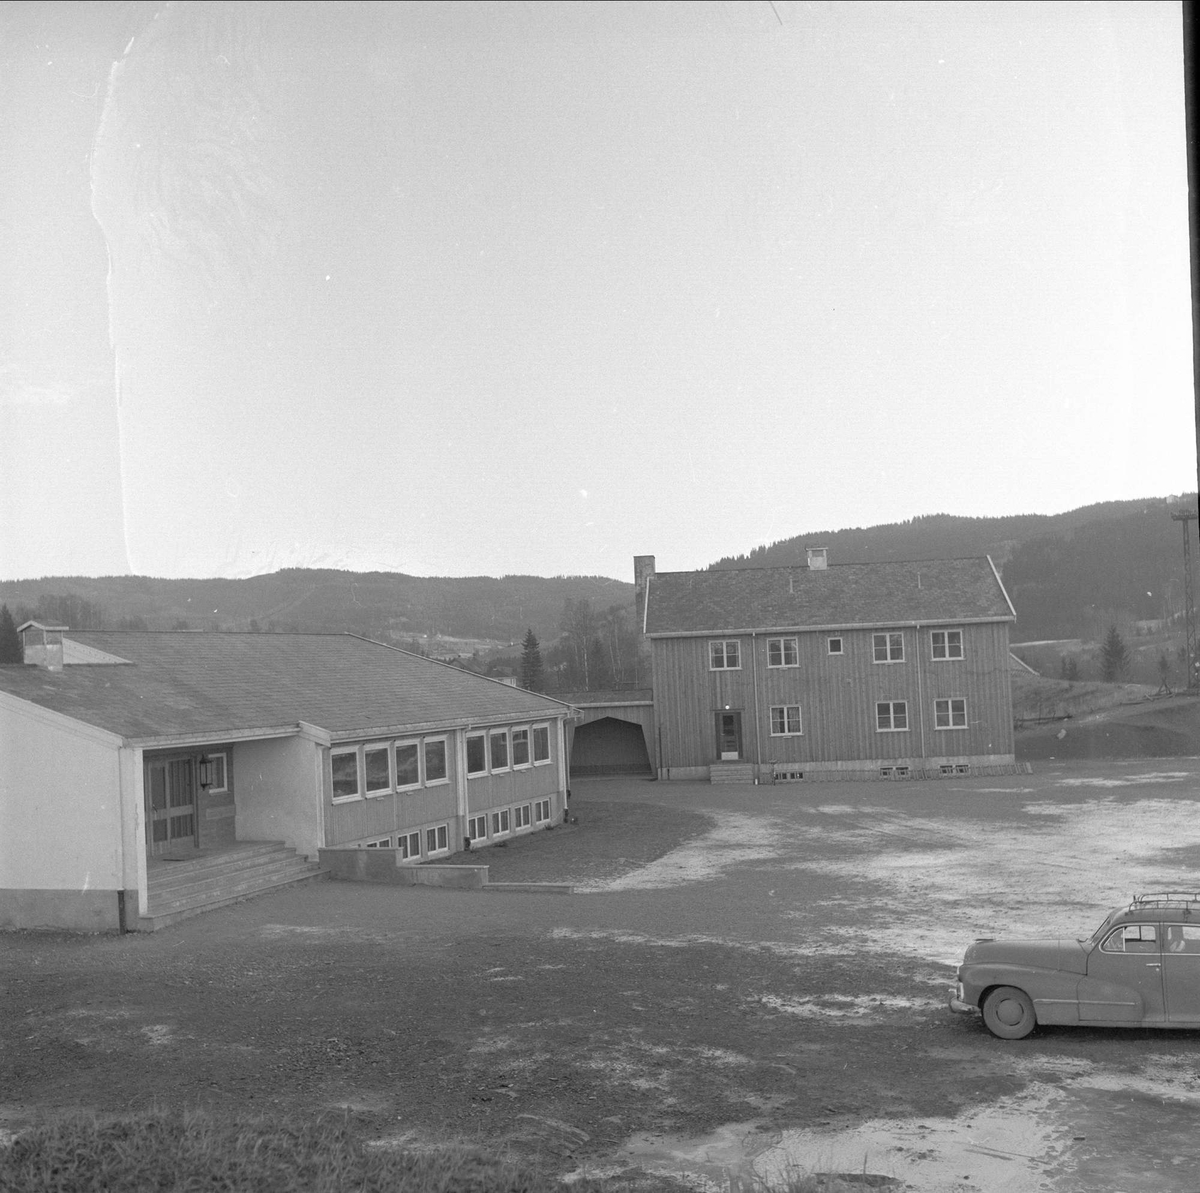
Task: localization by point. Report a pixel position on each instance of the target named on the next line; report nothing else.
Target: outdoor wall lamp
(205, 767)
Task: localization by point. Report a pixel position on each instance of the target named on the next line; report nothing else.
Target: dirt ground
(747, 979)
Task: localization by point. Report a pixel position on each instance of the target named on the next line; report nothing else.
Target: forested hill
(1069, 575)
(388, 606)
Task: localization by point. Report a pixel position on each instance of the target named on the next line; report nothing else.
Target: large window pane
(407, 765)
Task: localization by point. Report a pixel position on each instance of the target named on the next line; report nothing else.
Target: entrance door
(171, 805)
(729, 736)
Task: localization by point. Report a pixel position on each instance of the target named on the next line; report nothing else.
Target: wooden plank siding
(837, 695)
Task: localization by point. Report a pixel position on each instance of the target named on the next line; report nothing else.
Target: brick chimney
(643, 569)
(42, 644)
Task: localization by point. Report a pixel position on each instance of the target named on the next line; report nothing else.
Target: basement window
(477, 828)
(437, 840)
(522, 816)
(409, 845)
(541, 811)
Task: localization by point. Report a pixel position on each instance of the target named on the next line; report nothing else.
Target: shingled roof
(841, 596)
(183, 684)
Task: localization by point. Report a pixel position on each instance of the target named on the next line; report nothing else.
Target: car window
(1132, 938)
(1182, 938)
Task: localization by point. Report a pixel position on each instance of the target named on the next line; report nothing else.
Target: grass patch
(182, 1152)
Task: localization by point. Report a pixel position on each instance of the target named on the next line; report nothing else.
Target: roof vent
(42, 644)
(818, 559)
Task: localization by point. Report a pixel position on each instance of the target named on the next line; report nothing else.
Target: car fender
(1054, 992)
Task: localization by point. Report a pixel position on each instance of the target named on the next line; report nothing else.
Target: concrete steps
(181, 889)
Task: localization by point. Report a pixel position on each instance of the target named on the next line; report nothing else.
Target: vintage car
(1140, 968)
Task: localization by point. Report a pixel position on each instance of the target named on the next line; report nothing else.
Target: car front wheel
(1008, 1013)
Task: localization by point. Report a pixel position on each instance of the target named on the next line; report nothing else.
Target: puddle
(839, 1008)
(1173, 776)
(1132, 1134)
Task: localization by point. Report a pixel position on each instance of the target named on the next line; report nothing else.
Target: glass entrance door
(171, 804)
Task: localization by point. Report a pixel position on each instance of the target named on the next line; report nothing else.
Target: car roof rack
(1166, 899)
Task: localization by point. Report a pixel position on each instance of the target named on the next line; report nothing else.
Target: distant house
(824, 672)
(128, 757)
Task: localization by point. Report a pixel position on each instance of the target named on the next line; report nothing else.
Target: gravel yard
(746, 978)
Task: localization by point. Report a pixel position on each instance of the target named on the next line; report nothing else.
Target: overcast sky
(534, 287)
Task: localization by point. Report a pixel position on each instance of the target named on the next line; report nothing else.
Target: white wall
(277, 789)
(60, 802)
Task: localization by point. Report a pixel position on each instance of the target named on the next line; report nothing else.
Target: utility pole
(1185, 518)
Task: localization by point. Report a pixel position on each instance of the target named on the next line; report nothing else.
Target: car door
(1124, 982)
(1181, 973)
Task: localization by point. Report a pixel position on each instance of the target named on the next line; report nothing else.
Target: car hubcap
(1010, 1012)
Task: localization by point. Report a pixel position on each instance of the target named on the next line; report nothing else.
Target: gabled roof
(186, 683)
(844, 596)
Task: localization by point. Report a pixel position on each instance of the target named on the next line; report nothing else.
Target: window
(435, 761)
(220, 777)
(477, 828)
(520, 747)
(437, 840)
(409, 845)
(476, 757)
(522, 817)
(345, 774)
(946, 644)
(785, 720)
(1132, 938)
(384, 843)
(541, 744)
(725, 655)
(375, 767)
(500, 823)
(949, 714)
(889, 648)
(499, 741)
(408, 773)
(835, 646)
(541, 811)
(783, 652)
(891, 716)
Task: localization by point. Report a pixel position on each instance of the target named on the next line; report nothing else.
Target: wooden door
(170, 804)
(729, 736)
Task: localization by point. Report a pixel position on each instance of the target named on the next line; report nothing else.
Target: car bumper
(954, 1000)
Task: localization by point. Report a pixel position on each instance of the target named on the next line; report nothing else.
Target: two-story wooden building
(847, 671)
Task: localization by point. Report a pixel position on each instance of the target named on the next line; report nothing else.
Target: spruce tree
(532, 672)
(10, 641)
(1114, 657)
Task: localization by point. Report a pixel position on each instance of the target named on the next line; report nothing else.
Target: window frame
(475, 822)
(536, 731)
(889, 638)
(357, 793)
(522, 817)
(415, 743)
(722, 645)
(482, 738)
(521, 733)
(538, 805)
(891, 726)
(377, 747)
(426, 742)
(501, 822)
(218, 758)
(432, 836)
(950, 702)
(841, 644)
(492, 737)
(785, 720)
(782, 644)
(946, 656)
(404, 845)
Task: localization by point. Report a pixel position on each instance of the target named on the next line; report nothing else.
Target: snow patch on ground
(733, 840)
